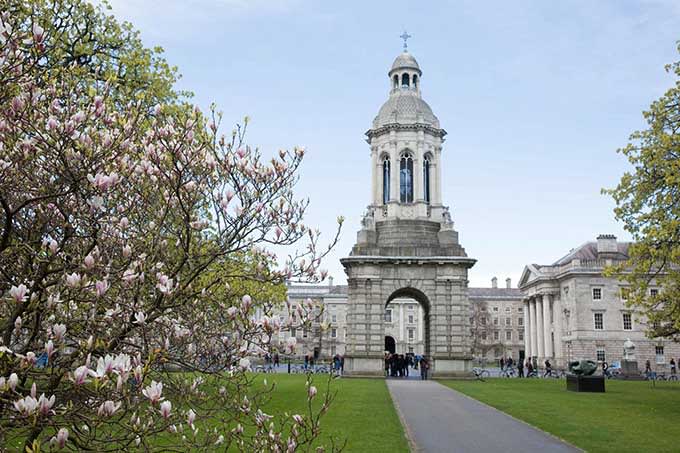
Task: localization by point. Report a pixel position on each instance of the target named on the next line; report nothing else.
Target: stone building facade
(404, 321)
(573, 312)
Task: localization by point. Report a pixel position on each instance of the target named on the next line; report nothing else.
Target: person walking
(520, 369)
(424, 367)
(530, 368)
(648, 368)
(502, 363)
(548, 368)
(672, 363)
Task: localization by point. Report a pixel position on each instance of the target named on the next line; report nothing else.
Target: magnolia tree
(118, 326)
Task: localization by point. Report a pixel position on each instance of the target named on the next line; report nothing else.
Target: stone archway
(422, 301)
(439, 284)
(390, 344)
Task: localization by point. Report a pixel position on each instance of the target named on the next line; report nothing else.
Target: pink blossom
(73, 280)
(80, 375)
(62, 437)
(17, 323)
(59, 330)
(298, 419)
(101, 286)
(51, 123)
(231, 312)
(166, 407)
(140, 318)
(229, 195)
(18, 292)
(153, 392)
(244, 363)
(191, 416)
(88, 262)
(49, 348)
(127, 251)
(13, 381)
(246, 302)
(311, 392)
(108, 408)
(45, 404)
(38, 33)
(26, 406)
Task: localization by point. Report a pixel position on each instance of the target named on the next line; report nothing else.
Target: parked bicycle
(481, 373)
(508, 372)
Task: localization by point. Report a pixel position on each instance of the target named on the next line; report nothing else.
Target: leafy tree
(648, 203)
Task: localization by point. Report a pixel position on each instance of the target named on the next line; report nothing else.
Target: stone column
(540, 332)
(394, 184)
(527, 331)
(436, 194)
(418, 174)
(532, 329)
(403, 338)
(375, 176)
(547, 327)
(558, 314)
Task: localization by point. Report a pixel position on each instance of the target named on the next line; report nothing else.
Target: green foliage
(648, 203)
(85, 40)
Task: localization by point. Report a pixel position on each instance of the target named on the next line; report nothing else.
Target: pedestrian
(306, 361)
(276, 359)
(530, 368)
(387, 364)
(520, 368)
(605, 368)
(342, 364)
(548, 368)
(424, 367)
(648, 368)
(672, 363)
(502, 364)
(534, 362)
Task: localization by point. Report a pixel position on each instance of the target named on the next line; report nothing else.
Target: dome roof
(405, 60)
(405, 107)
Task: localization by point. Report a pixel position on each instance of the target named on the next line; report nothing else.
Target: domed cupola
(405, 105)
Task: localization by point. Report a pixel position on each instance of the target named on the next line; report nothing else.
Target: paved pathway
(439, 419)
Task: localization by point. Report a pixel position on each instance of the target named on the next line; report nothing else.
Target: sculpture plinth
(591, 384)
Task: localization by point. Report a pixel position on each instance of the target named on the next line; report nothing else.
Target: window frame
(595, 320)
(629, 316)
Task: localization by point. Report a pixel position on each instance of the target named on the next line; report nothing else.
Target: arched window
(386, 179)
(415, 81)
(426, 178)
(404, 80)
(396, 81)
(406, 179)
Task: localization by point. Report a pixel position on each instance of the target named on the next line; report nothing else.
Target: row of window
(507, 309)
(406, 179)
(388, 317)
(508, 321)
(508, 335)
(659, 353)
(597, 293)
(598, 318)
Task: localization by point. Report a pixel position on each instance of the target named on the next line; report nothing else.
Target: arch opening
(406, 178)
(407, 321)
(404, 80)
(386, 179)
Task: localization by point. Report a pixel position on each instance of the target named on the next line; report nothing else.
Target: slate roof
(588, 251)
(405, 60)
(405, 106)
(494, 293)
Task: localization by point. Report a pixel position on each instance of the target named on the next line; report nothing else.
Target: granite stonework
(407, 246)
(591, 384)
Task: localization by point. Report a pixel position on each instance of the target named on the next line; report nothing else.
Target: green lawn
(629, 417)
(362, 412)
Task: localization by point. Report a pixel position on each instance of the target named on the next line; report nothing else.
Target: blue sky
(535, 96)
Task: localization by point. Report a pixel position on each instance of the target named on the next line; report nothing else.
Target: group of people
(398, 365)
(531, 365)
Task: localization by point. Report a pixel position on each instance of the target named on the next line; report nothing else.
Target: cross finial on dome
(405, 36)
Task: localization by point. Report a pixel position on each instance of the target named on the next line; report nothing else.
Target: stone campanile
(407, 246)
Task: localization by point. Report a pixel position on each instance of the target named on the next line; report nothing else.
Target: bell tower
(407, 245)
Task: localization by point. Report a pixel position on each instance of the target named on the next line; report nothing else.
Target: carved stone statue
(628, 350)
(583, 367)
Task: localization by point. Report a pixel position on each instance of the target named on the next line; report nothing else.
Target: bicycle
(555, 374)
(481, 373)
(507, 373)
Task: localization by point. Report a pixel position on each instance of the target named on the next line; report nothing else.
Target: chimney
(494, 282)
(330, 281)
(606, 243)
(508, 283)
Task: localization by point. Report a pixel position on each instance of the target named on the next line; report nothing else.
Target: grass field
(362, 413)
(629, 417)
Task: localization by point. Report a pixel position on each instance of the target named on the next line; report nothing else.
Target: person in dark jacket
(424, 368)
